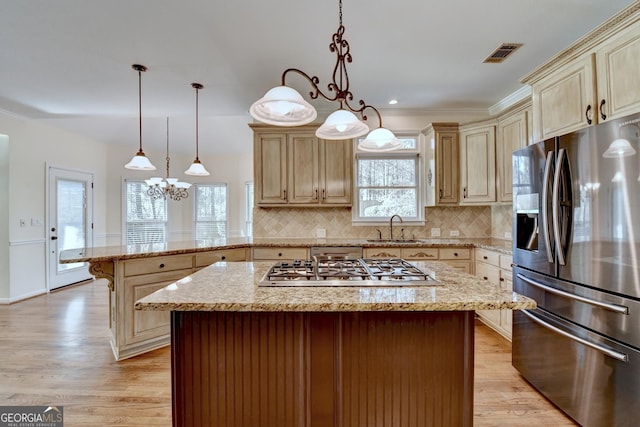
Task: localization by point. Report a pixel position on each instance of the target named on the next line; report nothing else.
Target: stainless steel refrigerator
(576, 251)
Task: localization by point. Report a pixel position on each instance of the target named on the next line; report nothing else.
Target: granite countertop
(107, 253)
(233, 286)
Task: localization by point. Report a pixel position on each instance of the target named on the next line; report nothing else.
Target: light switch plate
(435, 232)
(507, 235)
(454, 233)
(321, 232)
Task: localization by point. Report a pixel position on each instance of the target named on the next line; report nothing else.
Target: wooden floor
(54, 350)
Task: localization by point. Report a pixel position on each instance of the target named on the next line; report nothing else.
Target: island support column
(344, 369)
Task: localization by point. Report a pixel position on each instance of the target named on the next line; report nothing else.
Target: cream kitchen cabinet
(271, 253)
(593, 80)
(495, 267)
(512, 134)
(442, 164)
(295, 168)
(478, 163)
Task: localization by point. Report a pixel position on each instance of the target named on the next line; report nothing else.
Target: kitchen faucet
(391, 225)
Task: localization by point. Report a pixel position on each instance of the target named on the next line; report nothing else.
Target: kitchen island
(246, 355)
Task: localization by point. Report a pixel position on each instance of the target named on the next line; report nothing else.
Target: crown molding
(522, 94)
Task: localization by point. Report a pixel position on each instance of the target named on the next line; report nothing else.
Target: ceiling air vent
(502, 52)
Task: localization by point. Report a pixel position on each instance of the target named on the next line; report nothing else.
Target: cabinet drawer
(455, 253)
(158, 264)
(420, 253)
(506, 261)
(488, 272)
(279, 253)
(204, 259)
(382, 252)
(490, 257)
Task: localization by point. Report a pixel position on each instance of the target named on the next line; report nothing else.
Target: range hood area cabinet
(442, 164)
(294, 168)
(593, 80)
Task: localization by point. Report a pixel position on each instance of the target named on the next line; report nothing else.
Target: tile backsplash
(474, 221)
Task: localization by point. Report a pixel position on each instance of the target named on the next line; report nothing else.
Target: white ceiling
(68, 62)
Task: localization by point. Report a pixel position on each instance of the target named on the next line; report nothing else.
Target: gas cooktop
(326, 271)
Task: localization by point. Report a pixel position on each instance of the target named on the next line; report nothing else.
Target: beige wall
(4, 216)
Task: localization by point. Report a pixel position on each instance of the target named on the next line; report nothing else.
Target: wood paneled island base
(322, 369)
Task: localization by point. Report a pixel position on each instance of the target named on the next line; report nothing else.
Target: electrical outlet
(507, 235)
(454, 233)
(435, 232)
(321, 232)
(23, 223)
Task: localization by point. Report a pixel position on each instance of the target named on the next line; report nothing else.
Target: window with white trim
(210, 211)
(388, 183)
(248, 191)
(146, 217)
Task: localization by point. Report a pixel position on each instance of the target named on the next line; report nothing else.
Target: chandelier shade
(380, 140)
(342, 124)
(197, 168)
(284, 106)
(140, 160)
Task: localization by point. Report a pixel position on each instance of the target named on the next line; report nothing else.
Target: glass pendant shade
(140, 162)
(380, 140)
(197, 169)
(342, 124)
(283, 106)
(619, 148)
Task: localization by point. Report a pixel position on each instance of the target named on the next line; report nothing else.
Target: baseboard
(23, 297)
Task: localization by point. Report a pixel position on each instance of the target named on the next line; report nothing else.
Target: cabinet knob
(485, 257)
(455, 254)
(161, 265)
(279, 253)
(486, 278)
(502, 279)
(223, 257)
(602, 114)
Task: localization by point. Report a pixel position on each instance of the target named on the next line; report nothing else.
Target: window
(248, 189)
(210, 211)
(388, 184)
(146, 217)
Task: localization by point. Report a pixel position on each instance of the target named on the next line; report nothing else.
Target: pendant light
(170, 187)
(197, 168)
(140, 161)
(284, 106)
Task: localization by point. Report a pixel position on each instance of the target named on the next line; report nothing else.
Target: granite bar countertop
(233, 286)
(107, 253)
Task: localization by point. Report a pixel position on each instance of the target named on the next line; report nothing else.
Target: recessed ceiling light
(393, 102)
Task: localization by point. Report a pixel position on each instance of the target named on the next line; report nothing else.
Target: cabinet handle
(602, 114)
(323, 195)
(316, 194)
(284, 194)
(464, 193)
(587, 114)
(441, 193)
(161, 265)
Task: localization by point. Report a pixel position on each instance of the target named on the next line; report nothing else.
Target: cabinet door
(447, 167)
(270, 168)
(565, 100)
(303, 179)
(618, 62)
(335, 172)
(478, 165)
(512, 135)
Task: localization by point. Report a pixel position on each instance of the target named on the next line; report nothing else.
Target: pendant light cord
(140, 106)
(197, 127)
(167, 147)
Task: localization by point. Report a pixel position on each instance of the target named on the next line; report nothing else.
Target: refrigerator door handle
(555, 207)
(607, 306)
(605, 350)
(545, 196)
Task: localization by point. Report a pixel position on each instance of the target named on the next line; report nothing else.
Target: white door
(70, 223)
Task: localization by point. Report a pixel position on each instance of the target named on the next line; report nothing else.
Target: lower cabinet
(457, 257)
(495, 268)
(272, 253)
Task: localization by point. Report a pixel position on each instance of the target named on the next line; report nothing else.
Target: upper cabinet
(512, 134)
(593, 80)
(442, 164)
(478, 163)
(292, 167)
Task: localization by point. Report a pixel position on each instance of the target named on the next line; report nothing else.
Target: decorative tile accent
(303, 222)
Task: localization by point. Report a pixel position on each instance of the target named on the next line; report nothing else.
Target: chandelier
(284, 106)
(170, 187)
(139, 160)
